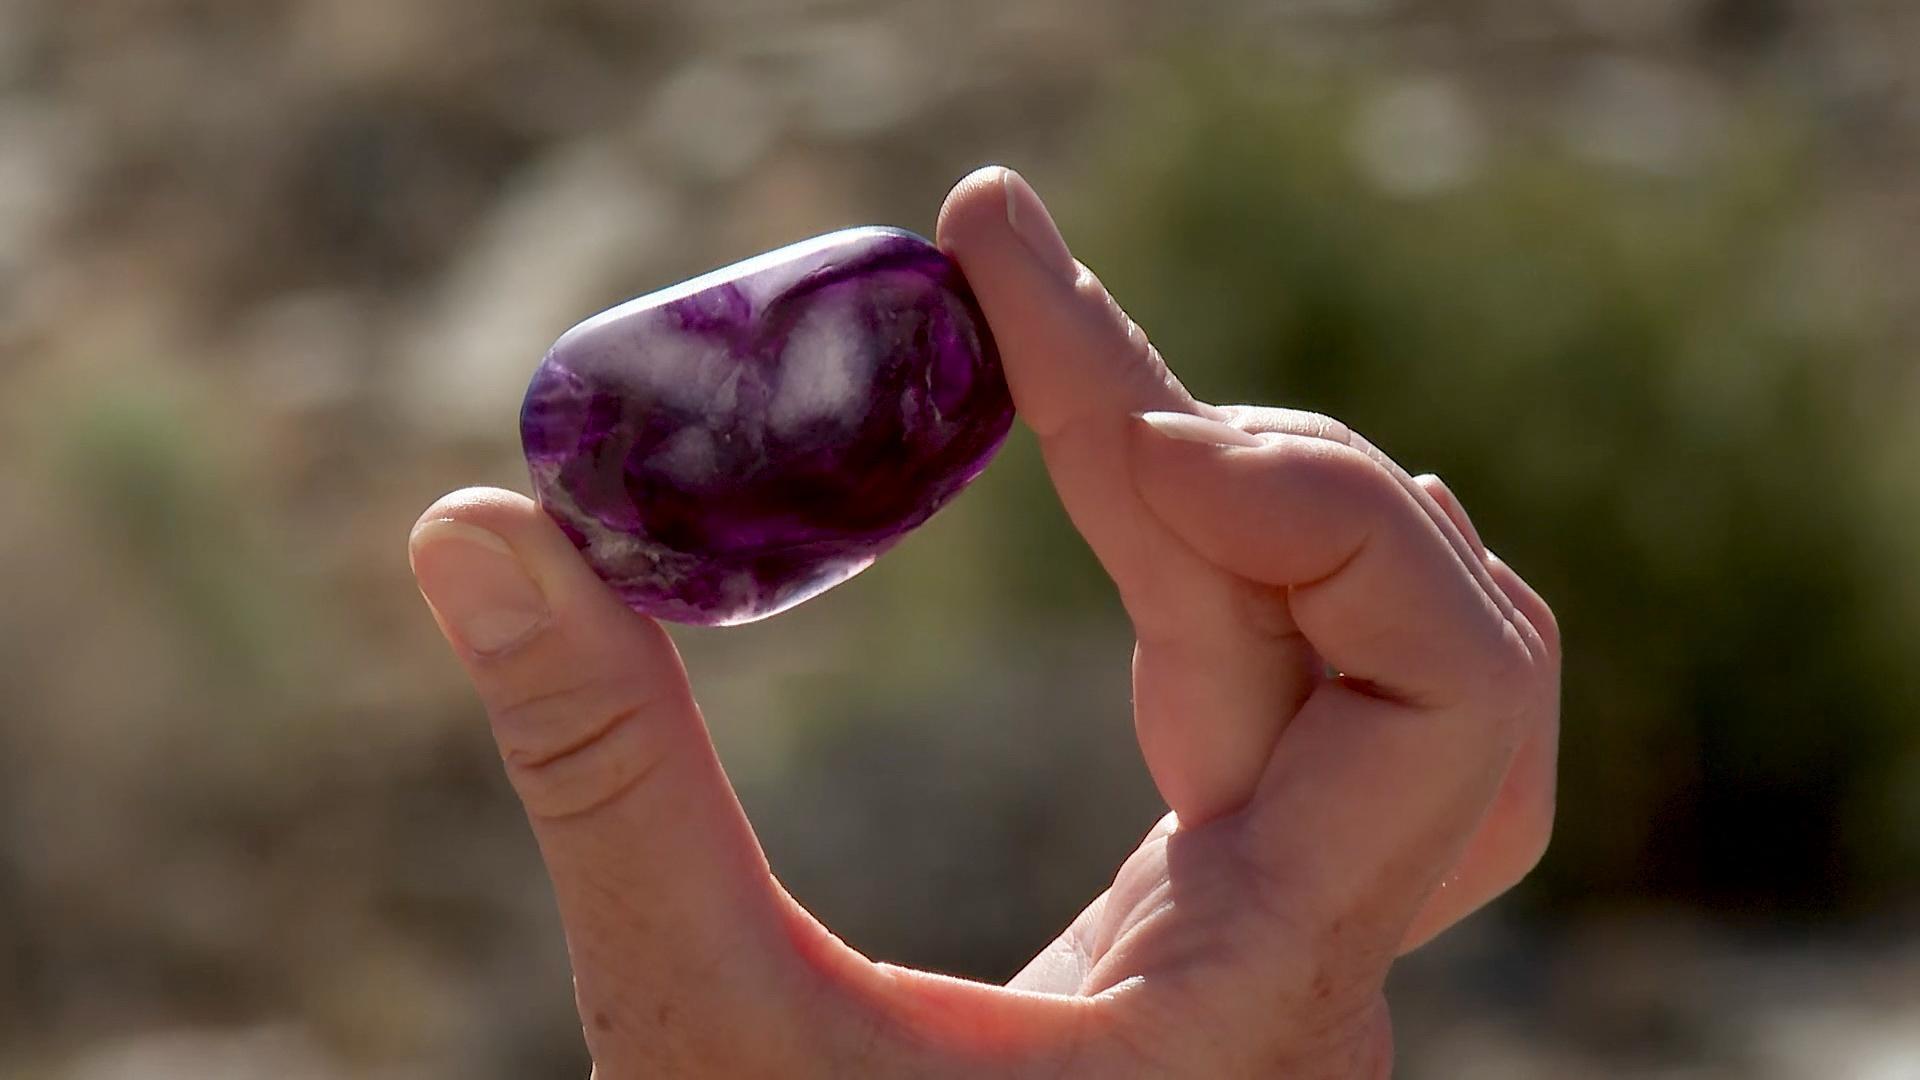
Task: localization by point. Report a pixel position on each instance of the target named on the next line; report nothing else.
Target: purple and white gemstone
(732, 446)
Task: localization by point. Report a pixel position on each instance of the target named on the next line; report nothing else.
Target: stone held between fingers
(727, 448)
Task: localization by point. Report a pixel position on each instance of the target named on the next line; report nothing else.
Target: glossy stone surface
(727, 448)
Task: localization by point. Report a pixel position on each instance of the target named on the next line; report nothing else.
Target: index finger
(1214, 674)
(1371, 578)
(1376, 786)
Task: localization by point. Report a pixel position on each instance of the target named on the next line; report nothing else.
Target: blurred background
(1638, 277)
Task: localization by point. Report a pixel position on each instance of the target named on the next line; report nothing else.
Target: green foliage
(153, 488)
(1652, 411)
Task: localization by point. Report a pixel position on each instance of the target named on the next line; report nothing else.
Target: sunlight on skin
(1314, 818)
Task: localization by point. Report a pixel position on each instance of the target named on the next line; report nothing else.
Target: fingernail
(1028, 218)
(1187, 427)
(476, 583)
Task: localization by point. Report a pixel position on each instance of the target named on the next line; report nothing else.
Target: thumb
(654, 866)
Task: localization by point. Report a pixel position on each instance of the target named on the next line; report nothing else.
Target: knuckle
(1442, 494)
(1511, 663)
(1491, 671)
(1280, 421)
(1322, 426)
(1522, 844)
(1536, 836)
(1536, 829)
(543, 721)
(573, 752)
(1547, 625)
(1528, 602)
(1315, 425)
(1522, 815)
(1339, 473)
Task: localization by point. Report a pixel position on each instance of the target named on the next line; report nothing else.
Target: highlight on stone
(732, 446)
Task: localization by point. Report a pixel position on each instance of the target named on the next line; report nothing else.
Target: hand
(1321, 823)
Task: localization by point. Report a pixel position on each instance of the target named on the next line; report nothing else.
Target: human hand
(1321, 824)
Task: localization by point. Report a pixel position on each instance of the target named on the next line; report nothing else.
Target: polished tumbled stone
(727, 448)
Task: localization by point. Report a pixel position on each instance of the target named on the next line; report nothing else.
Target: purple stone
(729, 447)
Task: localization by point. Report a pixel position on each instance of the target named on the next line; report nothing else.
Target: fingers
(1432, 496)
(1526, 607)
(1529, 606)
(1245, 569)
(1505, 846)
(661, 885)
(1372, 582)
(1378, 784)
(1078, 358)
(1513, 836)
(1077, 366)
(1218, 667)
(1449, 505)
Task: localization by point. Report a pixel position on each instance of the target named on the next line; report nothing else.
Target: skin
(1320, 824)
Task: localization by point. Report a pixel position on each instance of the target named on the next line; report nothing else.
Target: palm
(1151, 921)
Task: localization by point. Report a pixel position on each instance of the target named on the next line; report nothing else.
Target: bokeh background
(1639, 277)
